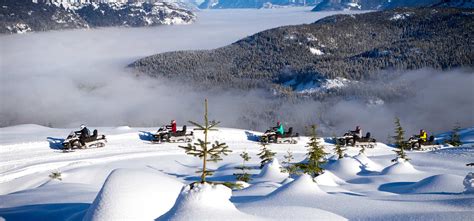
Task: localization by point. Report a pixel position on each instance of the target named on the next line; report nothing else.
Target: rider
(84, 133)
(357, 133)
(172, 126)
(423, 135)
(279, 129)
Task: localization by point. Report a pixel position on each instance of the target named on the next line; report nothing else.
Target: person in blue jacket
(279, 129)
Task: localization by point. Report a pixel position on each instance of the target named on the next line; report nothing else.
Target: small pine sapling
(455, 138)
(316, 156)
(400, 143)
(288, 167)
(201, 148)
(55, 175)
(243, 175)
(338, 149)
(265, 155)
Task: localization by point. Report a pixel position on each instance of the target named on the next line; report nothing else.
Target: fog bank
(66, 78)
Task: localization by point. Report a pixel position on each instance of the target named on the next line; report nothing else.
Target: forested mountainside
(334, 5)
(20, 16)
(351, 47)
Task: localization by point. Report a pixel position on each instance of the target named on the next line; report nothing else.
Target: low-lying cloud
(66, 78)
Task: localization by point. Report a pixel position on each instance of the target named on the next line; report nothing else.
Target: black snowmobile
(271, 136)
(350, 139)
(415, 143)
(165, 135)
(73, 141)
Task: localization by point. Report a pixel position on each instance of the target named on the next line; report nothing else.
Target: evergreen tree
(56, 175)
(455, 139)
(288, 166)
(399, 139)
(338, 149)
(265, 154)
(201, 148)
(315, 155)
(243, 175)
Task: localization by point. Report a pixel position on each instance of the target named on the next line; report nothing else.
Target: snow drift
(368, 163)
(328, 179)
(346, 166)
(303, 186)
(271, 172)
(468, 183)
(400, 167)
(205, 202)
(134, 194)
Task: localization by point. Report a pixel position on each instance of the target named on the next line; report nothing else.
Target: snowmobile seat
(289, 132)
(367, 136)
(179, 133)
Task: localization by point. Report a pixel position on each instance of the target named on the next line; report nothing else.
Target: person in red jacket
(172, 126)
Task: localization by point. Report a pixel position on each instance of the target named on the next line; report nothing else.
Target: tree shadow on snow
(50, 212)
(55, 143)
(252, 137)
(145, 136)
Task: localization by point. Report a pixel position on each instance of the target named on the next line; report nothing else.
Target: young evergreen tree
(338, 149)
(288, 167)
(202, 150)
(265, 154)
(56, 175)
(316, 154)
(455, 139)
(399, 140)
(243, 175)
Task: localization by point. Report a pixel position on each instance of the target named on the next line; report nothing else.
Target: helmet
(358, 127)
(278, 122)
(83, 126)
(173, 121)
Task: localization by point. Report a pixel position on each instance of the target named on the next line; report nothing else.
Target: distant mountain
(20, 16)
(334, 5)
(329, 52)
(221, 4)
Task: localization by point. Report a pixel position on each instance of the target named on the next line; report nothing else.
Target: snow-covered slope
(25, 16)
(132, 178)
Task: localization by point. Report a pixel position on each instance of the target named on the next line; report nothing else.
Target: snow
(316, 51)
(303, 186)
(468, 183)
(146, 195)
(205, 202)
(271, 172)
(399, 167)
(328, 179)
(346, 166)
(135, 180)
(397, 16)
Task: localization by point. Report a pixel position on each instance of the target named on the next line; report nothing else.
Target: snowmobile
(348, 139)
(165, 135)
(271, 136)
(73, 142)
(415, 143)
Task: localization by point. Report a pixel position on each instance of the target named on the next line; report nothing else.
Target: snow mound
(303, 186)
(468, 183)
(437, 184)
(368, 163)
(205, 202)
(134, 194)
(328, 179)
(400, 167)
(271, 172)
(344, 166)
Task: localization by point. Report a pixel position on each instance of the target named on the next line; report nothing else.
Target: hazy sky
(65, 78)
